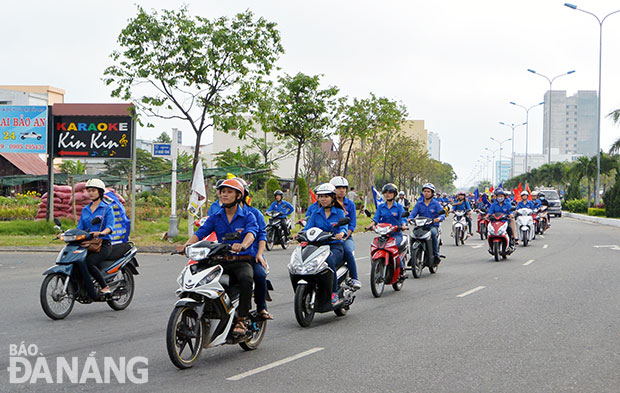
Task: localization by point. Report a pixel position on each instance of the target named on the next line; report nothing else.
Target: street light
(512, 156)
(500, 143)
(550, 93)
(527, 127)
(598, 119)
(493, 163)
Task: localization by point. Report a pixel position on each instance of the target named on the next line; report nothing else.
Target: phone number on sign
(21, 146)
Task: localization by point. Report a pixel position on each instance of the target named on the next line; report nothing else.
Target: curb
(597, 220)
(145, 249)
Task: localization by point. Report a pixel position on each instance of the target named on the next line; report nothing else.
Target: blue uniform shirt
(214, 208)
(463, 206)
(318, 219)
(281, 207)
(349, 211)
(525, 204)
(433, 210)
(262, 233)
(505, 208)
(393, 215)
(536, 203)
(312, 208)
(243, 222)
(103, 211)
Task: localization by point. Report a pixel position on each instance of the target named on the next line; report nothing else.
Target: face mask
(500, 199)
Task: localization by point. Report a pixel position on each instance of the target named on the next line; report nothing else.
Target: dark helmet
(219, 183)
(390, 187)
(500, 191)
(278, 192)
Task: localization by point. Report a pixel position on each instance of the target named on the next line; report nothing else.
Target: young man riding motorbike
(431, 208)
(233, 217)
(525, 203)
(502, 205)
(403, 201)
(283, 207)
(462, 204)
(348, 245)
(545, 202)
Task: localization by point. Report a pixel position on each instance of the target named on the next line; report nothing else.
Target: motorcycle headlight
(197, 253)
(210, 277)
(491, 230)
(383, 230)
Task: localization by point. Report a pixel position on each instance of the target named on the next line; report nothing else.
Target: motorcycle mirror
(57, 222)
(232, 236)
(367, 213)
(405, 214)
(343, 221)
(96, 220)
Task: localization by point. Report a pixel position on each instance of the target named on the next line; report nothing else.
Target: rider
(403, 201)
(97, 208)
(501, 205)
(462, 204)
(234, 217)
(341, 185)
(325, 217)
(525, 203)
(545, 202)
(283, 207)
(429, 207)
(535, 200)
(391, 212)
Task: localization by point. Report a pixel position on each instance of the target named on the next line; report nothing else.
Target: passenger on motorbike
(403, 201)
(535, 200)
(525, 203)
(348, 245)
(216, 205)
(283, 207)
(325, 216)
(462, 204)
(430, 208)
(234, 217)
(501, 205)
(97, 207)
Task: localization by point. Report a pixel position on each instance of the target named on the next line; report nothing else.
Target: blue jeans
(335, 256)
(349, 256)
(260, 286)
(434, 235)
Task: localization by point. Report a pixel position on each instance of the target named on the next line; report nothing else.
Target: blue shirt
(525, 204)
(536, 203)
(505, 208)
(243, 222)
(312, 208)
(393, 215)
(103, 211)
(350, 211)
(214, 208)
(433, 211)
(260, 220)
(281, 207)
(463, 206)
(319, 220)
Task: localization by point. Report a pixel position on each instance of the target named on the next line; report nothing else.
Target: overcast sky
(455, 64)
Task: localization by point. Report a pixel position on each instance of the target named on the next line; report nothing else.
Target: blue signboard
(23, 129)
(161, 149)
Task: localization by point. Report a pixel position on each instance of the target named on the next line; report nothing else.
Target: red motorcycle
(483, 223)
(499, 241)
(385, 257)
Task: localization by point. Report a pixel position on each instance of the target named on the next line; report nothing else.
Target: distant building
(415, 129)
(502, 171)
(573, 122)
(434, 146)
(31, 95)
(537, 160)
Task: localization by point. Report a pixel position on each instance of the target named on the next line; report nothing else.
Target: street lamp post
(550, 93)
(493, 174)
(527, 127)
(598, 119)
(500, 143)
(512, 155)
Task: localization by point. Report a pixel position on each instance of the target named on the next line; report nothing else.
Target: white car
(30, 135)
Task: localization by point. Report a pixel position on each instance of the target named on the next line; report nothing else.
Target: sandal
(240, 328)
(265, 315)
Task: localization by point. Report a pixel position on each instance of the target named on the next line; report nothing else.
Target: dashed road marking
(528, 262)
(471, 291)
(360, 258)
(274, 364)
(545, 246)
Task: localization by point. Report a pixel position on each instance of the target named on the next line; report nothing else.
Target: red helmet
(232, 183)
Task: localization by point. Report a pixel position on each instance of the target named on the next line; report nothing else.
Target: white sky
(456, 64)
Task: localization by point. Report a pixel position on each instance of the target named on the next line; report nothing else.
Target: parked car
(555, 204)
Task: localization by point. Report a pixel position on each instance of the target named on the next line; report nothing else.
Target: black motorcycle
(422, 247)
(276, 232)
(64, 282)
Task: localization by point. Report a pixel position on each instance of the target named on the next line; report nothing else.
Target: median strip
(274, 364)
(470, 291)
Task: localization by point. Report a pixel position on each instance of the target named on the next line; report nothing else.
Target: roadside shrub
(577, 205)
(8, 213)
(303, 193)
(612, 200)
(594, 211)
(271, 186)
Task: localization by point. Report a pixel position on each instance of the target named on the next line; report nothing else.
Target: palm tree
(615, 117)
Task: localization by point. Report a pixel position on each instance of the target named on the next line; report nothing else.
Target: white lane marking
(470, 291)
(611, 247)
(477, 246)
(528, 262)
(545, 246)
(367, 274)
(360, 258)
(274, 364)
(542, 236)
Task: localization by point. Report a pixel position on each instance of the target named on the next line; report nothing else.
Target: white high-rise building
(434, 146)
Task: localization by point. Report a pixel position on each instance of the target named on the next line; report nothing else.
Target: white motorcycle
(459, 227)
(204, 316)
(525, 225)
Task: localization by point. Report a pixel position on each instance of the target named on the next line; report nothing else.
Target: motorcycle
(525, 225)
(459, 227)
(275, 233)
(483, 222)
(205, 314)
(543, 221)
(65, 283)
(385, 259)
(312, 278)
(422, 247)
(499, 241)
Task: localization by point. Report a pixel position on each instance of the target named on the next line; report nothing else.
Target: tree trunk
(299, 145)
(196, 152)
(346, 162)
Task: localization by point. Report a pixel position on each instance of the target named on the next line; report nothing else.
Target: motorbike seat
(118, 251)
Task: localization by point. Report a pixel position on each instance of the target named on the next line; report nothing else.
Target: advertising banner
(23, 129)
(93, 136)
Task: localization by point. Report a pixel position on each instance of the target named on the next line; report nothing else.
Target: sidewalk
(145, 249)
(614, 222)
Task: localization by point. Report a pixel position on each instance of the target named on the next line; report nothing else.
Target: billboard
(93, 136)
(23, 129)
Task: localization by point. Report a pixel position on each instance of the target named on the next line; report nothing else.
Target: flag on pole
(378, 198)
(476, 195)
(312, 196)
(517, 194)
(527, 187)
(199, 194)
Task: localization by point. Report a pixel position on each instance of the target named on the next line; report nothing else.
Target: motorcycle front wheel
(526, 238)
(496, 246)
(377, 276)
(56, 303)
(418, 263)
(184, 336)
(270, 239)
(457, 236)
(304, 308)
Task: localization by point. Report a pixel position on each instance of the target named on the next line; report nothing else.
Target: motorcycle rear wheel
(55, 304)
(125, 299)
(184, 330)
(377, 276)
(254, 341)
(304, 311)
(341, 311)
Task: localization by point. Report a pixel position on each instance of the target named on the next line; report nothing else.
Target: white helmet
(524, 193)
(325, 188)
(95, 183)
(431, 187)
(402, 193)
(339, 181)
(534, 193)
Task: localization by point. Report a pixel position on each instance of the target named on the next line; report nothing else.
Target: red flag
(517, 194)
(312, 195)
(491, 190)
(527, 187)
(520, 189)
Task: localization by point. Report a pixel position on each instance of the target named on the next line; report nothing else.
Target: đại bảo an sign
(92, 136)
(23, 129)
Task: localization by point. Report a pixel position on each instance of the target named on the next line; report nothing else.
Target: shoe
(437, 260)
(356, 284)
(335, 298)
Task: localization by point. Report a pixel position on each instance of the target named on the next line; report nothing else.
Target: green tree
(303, 193)
(175, 66)
(71, 167)
(163, 138)
(271, 186)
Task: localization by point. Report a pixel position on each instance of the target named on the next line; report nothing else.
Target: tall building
(573, 123)
(502, 171)
(415, 129)
(434, 146)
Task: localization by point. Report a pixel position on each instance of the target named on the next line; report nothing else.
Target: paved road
(545, 320)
